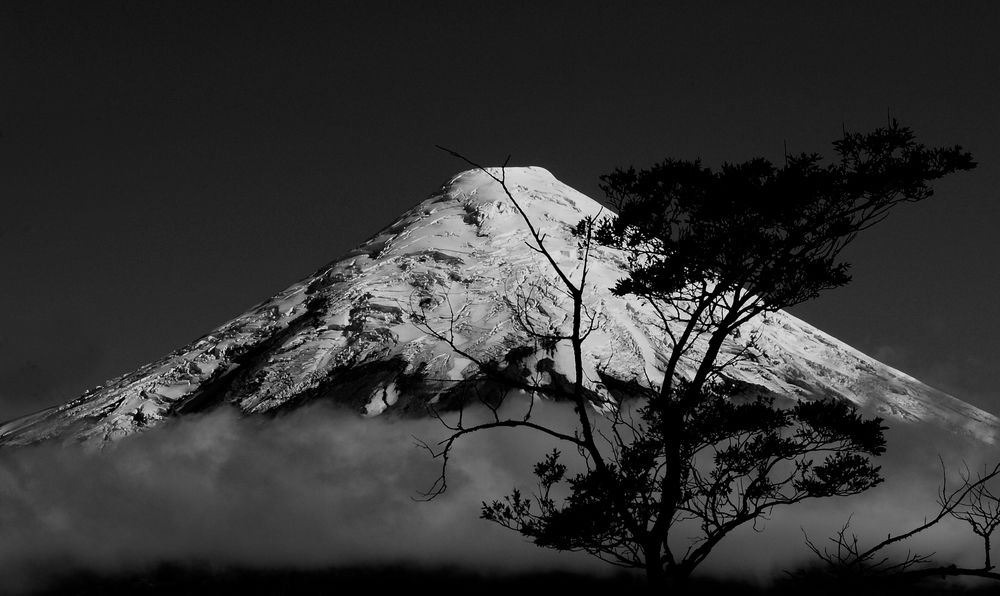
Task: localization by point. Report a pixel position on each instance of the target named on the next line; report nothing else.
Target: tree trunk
(655, 576)
(989, 565)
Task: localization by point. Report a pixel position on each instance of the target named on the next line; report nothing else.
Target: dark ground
(206, 580)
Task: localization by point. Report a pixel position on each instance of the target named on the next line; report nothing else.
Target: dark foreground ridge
(217, 580)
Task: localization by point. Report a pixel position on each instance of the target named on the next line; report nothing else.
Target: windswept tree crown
(776, 232)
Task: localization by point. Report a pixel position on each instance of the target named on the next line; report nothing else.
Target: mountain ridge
(460, 256)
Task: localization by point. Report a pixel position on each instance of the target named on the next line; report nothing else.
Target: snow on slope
(345, 333)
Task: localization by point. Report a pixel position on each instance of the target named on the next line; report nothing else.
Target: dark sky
(164, 166)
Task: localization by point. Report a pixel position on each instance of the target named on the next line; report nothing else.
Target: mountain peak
(461, 259)
(535, 187)
(531, 176)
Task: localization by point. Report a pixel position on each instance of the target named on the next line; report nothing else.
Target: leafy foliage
(740, 460)
(774, 231)
(708, 250)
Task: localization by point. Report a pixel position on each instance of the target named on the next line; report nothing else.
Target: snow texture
(461, 259)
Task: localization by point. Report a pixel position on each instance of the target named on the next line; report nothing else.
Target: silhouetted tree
(708, 250)
(847, 558)
(981, 511)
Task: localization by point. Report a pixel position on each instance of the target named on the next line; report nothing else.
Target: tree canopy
(708, 250)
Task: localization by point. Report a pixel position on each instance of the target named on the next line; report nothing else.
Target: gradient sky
(164, 166)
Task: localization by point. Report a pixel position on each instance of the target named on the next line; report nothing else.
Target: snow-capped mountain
(460, 257)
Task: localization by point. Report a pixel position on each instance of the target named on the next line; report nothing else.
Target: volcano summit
(346, 333)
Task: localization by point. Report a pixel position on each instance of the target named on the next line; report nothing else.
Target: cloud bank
(320, 487)
(317, 487)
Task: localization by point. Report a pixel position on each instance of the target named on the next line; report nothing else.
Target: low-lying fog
(320, 487)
